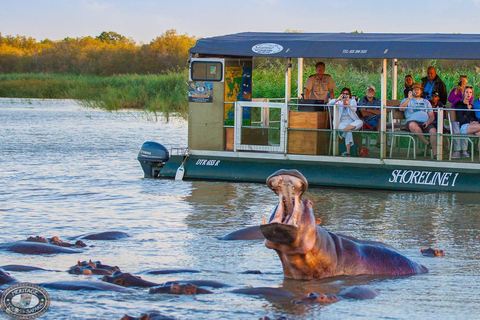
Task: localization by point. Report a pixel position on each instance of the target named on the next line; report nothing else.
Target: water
(66, 170)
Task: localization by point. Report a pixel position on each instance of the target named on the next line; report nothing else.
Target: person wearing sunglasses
(348, 119)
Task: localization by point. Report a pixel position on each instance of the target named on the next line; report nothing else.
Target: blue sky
(144, 20)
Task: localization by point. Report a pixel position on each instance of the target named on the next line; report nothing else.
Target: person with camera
(348, 119)
(459, 145)
(432, 83)
(318, 86)
(419, 115)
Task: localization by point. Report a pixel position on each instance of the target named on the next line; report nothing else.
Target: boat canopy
(342, 45)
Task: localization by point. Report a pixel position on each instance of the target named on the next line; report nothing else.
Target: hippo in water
(432, 252)
(357, 293)
(91, 267)
(178, 288)
(6, 278)
(307, 251)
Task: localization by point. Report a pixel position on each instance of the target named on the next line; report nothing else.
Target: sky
(144, 20)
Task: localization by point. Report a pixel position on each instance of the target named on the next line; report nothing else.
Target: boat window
(206, 70)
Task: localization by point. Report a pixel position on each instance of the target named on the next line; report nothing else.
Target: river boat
(233, 136)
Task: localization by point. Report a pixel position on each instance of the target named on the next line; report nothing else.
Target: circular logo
(25, 301)
(267, 48)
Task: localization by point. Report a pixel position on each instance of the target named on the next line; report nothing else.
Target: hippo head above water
(308, 251)
(293, 219)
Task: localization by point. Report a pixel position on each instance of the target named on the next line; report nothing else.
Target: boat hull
(335, 172)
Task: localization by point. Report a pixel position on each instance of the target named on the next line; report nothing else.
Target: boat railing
(270, 128)
(178, 151)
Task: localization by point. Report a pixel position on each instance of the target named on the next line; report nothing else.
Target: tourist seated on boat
(419, 115)
(436, 104)
(456, 94)
(468, 121)
(347, 118)
(369, 107)
(431, 83)
(408, 85)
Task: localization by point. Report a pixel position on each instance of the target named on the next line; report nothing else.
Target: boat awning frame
(342, 45)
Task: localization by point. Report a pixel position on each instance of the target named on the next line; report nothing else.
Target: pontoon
(234, 136)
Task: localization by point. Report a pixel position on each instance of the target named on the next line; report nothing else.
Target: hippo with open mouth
(307, 251)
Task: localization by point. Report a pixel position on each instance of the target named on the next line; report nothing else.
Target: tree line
(108, 54)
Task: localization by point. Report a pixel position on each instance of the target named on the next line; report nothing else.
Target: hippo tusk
(264, 221)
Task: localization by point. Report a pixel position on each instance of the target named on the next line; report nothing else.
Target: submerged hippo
(148, 316)
(128, 280)
(91, 267)
(21, 268)
(107, 235)
(265, 291)
(30, 247)
(357, 293)
(6, 278)
(85, 285)
(432, 252)
(308, 251)
(178, 288)
(56, 241)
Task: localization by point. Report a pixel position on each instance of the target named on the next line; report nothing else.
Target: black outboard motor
(152, 156)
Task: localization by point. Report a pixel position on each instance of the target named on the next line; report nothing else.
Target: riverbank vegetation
(113, 72)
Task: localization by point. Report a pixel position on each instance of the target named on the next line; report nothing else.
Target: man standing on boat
(318, 86)
(432, 83)
(369, 107)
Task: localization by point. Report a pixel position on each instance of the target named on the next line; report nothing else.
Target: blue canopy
(342, 45)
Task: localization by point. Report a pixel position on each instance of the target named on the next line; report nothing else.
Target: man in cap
(369, 108)
(419, 115)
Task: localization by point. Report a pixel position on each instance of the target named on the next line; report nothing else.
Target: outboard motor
(152, 157)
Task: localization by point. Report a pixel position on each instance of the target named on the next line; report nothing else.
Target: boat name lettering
(205, 162)
(354, 51)
(267, 48)
(446, 179)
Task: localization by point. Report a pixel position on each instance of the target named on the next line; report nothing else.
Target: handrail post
(383, 116)
(440, 134)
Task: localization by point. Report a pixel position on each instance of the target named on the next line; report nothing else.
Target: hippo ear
(145, 316)
(318, 221)
(437, 253)
(421, 250)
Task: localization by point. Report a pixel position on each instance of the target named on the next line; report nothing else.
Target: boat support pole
(394, 78)
(300, 77)
(288, 88)
(383, 116)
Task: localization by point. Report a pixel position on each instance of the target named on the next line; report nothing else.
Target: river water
(66, 170)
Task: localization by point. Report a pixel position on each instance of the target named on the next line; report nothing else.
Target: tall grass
(167, 93)
(269, 79)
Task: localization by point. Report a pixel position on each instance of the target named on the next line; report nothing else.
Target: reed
(167, 93)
